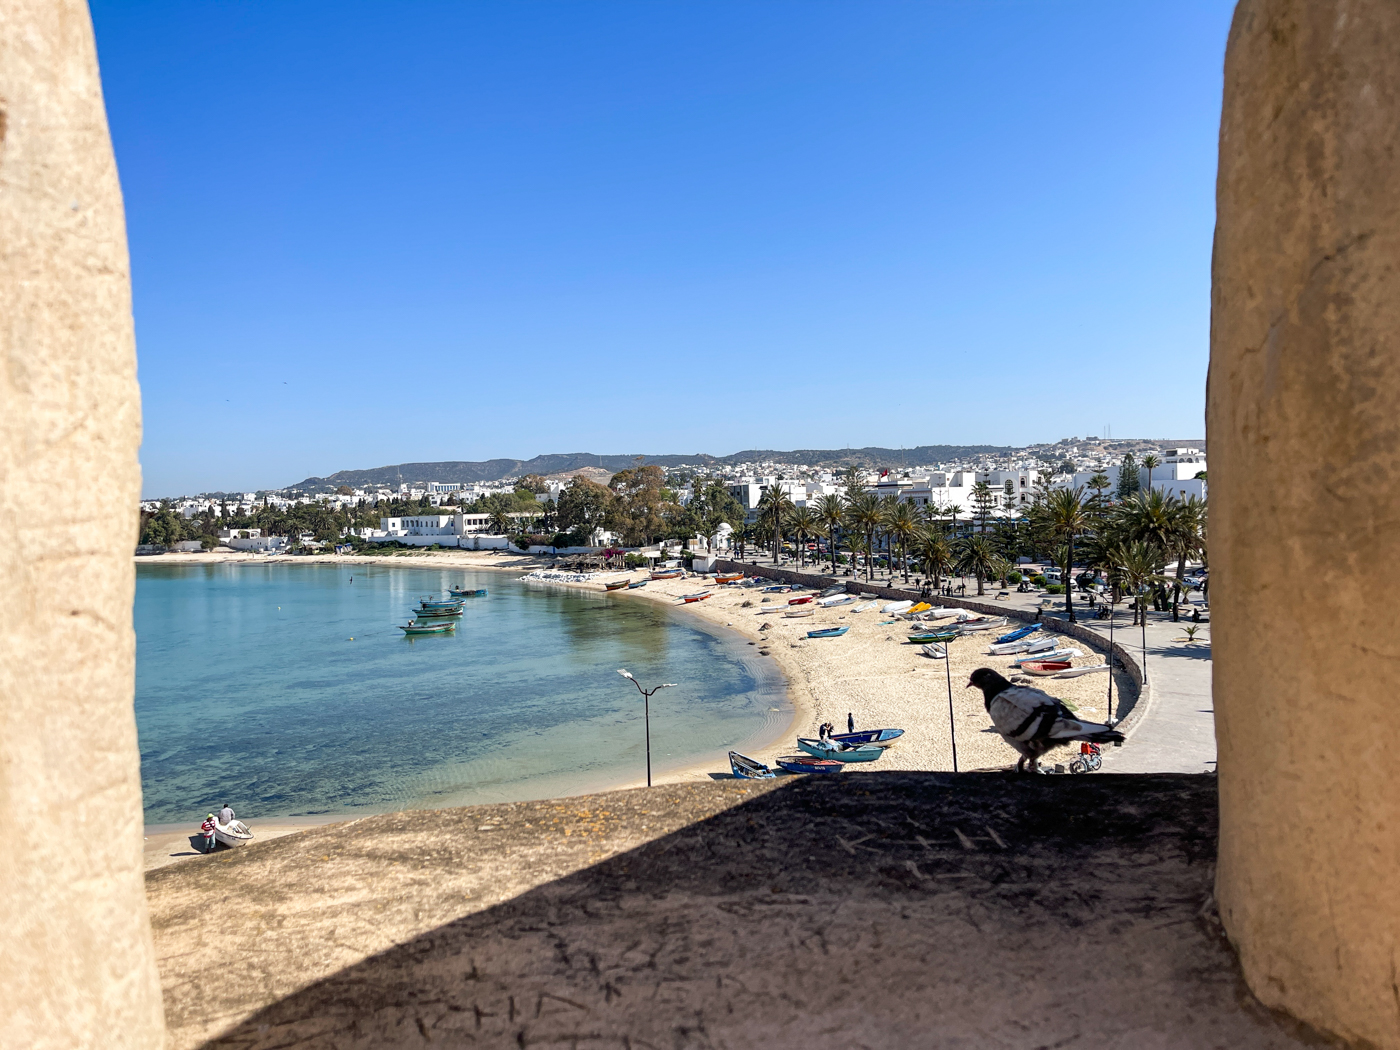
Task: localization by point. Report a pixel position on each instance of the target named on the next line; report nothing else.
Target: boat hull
(234, 833)
(807, 764)
(859, 753)
(828, 632)
(876, 737)
(746, 768)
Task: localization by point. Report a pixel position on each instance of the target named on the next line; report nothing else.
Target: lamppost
(646, 708)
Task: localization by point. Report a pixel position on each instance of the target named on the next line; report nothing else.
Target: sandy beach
(870, 673)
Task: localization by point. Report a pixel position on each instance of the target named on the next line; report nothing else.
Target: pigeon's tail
(1066, 729)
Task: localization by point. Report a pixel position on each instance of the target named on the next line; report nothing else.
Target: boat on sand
(808, 764)
(746, 768)
(234, 833)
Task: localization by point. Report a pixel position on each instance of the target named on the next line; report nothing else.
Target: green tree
(802, 525)
(1066, 517)
(1128, 480)
(934, 552)
(975, 556)
(863, 515)
(901, 523)
(582, 507)
(982, 503)
(774, 505)
(830, 513)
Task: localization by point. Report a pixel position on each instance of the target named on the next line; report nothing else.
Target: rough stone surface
(76, 958)
(879, 910)
(1304, 432)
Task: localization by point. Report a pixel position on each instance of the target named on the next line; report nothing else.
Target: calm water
(286, 690)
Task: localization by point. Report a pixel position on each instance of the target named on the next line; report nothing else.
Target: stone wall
(1305, 385)
(77, 964)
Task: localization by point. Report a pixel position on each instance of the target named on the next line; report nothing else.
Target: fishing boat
(480, 592)
(799, 612)
(897, 607)
(943, 614)
(693, 598)
(866, 606)
(828, 632)
(697, 594)
(442, 627)
(840, 588)
(437, 613)
(729, 577)
(616, 585)
(1018, 634)
(877, 737)
(921, 607)
(781, 588)
(635, 584)
(1025, 645)
(801, 601)
(936, 651)
(667, 574)
(835, 600)
(973, 626)
(839, 752)
(1057, 655)
(427, 601)
(920, 637)
(808, 764)
(1045, 667)
(746, 768)
(234, 833)
(1075, 672)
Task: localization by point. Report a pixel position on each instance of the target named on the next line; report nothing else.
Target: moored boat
(828, 632)
(937, 651)
(801, 601)
(693, 598)
(920, 637)
(746, 768)
(1056, 655)
(1075, 672)
(839, 752)
(437, 614)
(877, 737)
(616, 585)
(441, 627)
(808, 764)
(729, 577)
(897, 607)
(835, 600)
(635, 584)
(480, 592)
(840, 588)
(1018, 634)
(799, 612)
(866, 606)
(667, 574)
(1045, 667)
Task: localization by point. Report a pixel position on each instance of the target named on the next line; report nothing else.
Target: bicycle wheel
(1077, 766)
(1094, 762)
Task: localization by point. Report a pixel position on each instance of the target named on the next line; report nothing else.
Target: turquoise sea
(285, 689)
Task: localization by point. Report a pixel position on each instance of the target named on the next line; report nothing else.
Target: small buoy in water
(352, 639)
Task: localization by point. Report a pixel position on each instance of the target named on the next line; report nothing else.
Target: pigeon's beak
(969, 685)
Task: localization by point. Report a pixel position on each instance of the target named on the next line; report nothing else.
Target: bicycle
(1090, 759)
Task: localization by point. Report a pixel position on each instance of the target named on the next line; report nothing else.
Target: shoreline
(870, 672)
(161, 838)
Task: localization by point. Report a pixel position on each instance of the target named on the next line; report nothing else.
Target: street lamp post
(646, 709)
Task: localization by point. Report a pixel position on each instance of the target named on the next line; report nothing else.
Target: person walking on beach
(226, 815)
(208, 829)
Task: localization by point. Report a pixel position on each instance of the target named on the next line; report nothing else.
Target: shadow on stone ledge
(870, 910)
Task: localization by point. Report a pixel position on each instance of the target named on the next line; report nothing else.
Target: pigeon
(1034, 722)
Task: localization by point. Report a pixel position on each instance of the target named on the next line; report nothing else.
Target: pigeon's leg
(1021, 764)
(1035, 764)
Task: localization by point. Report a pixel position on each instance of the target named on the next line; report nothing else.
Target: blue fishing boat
(427, 601)
(478, 593)
(828, 632)
(877, 737)
(438, 613)
(636, 584)
(1018, 634)
(781, 588)
(413, 627)
(807, 764)
(839, 752)
(746, 768)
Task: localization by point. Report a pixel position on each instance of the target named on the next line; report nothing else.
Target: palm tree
(976, 556)
(863, 517)
(830, 513)
(954, 511)
(802, 525)
(1149, 461)
(1188, 537)
(1137, 564)
(1066, 517)
(773, 507)
(887, 509)
(933, 551)
(901, 524)
(500, 522)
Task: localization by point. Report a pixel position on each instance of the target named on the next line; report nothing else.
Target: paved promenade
(1177, 731)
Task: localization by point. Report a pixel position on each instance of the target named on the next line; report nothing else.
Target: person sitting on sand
(208, 828)
(226, 815)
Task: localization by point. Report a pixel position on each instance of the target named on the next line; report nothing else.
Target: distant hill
(496, 469)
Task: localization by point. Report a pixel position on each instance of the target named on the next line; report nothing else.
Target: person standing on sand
(208, 829)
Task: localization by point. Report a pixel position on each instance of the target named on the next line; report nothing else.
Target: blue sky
(368, 233)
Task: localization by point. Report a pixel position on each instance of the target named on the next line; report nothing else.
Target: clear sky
(370, 233)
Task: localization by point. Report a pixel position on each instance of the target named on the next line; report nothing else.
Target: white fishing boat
(984, 625)
(800, 612)
(1025, 645)
(897, 607)
(234, 833)
(866, 606)
(1075, 672)
(835, 600)
(937, 650)
(1053, 654)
